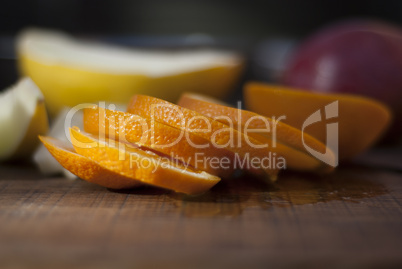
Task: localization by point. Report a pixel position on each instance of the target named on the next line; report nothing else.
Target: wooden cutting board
(350, 218)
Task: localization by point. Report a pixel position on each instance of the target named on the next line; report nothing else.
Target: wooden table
(352, 218)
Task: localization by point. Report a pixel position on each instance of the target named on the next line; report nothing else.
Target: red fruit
(358, 57)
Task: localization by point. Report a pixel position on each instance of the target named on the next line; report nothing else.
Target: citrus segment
(85, 168)
(178, 144)
(144, 166)
(221, 135)
(361, 120)
(288, 141)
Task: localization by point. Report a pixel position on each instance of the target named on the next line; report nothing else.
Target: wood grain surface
(352, 218)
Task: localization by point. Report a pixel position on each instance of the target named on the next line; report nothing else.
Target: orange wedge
(219, 134)
(163, 138)
(145, 166)
(85, 168)
(289, 141)
(361, 120)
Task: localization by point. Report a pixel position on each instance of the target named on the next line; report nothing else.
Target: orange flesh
(157, 136)
(220, 134)
(85, 168)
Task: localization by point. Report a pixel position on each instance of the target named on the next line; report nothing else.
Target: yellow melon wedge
(71, 71)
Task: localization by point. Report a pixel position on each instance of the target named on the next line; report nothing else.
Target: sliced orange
(361, 120)
(219, 134)
(145, 166)
(85, 168)
(288, 141)
(166, 139)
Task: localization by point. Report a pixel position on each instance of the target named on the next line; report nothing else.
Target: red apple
(357, 57)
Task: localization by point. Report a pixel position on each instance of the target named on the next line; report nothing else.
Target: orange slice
(288, 141)
(145, 166)
(85, 168)
(163, 138)
(219, 134)
(361, 120)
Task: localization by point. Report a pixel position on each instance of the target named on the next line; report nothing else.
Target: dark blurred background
(258, 28)
(254, 19)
